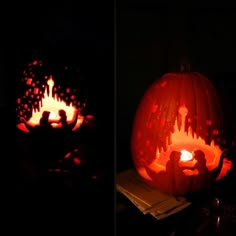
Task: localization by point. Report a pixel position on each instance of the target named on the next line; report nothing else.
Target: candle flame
(188, 141)
(52, 115)
(186, 156)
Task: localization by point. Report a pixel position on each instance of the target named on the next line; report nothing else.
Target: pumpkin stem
(184, 66)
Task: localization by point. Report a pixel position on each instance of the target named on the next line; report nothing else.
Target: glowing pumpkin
(48, 113)
(176, 134)
(42, 96)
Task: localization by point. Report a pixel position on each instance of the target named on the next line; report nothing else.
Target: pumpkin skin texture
(180, 111)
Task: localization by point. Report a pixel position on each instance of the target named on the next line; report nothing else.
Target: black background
(60, 34)
(150, 40)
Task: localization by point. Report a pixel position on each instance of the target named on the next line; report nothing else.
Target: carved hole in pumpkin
(47, 98)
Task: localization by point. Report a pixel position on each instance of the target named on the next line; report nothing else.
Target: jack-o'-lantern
(176, 134)
(51, 116)
(42, 96)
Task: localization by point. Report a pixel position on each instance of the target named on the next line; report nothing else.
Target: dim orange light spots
(29, 80)
(67, 155)
(36, 90)
(89, 117)
(208, 122)
(76, 161)
(215, 132)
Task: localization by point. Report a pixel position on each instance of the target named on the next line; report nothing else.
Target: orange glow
(186, 156)
(89, 117)
(67, 155)
(186, 143)
(76, 160)
(53, 104)
(227, 165)
(177, 134)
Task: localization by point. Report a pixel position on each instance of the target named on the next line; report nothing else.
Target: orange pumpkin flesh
(179, 113)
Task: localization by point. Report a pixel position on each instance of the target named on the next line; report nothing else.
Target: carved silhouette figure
(179, 180)
(63, 119)
(50, 143)
(63, 134)
(172, 179)
(183, 179)
(44, 123)
(46, 141)
(65, 125)
(200, 180)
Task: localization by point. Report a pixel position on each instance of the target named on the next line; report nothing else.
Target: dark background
(152, 39)
(64, 35)
(60, 34)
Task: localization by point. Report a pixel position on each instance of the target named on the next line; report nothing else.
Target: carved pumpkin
(51, 116)
(42, 95)
(176, 134)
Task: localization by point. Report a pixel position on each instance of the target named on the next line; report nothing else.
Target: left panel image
(59, 65)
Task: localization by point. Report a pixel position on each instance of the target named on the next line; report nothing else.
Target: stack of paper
(148, 200)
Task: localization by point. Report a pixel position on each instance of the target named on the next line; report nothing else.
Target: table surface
(202, 217)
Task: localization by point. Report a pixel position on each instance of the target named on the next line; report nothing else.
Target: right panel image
(175, 129)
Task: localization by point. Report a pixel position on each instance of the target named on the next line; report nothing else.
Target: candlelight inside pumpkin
(176, 134)
(40, 97)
